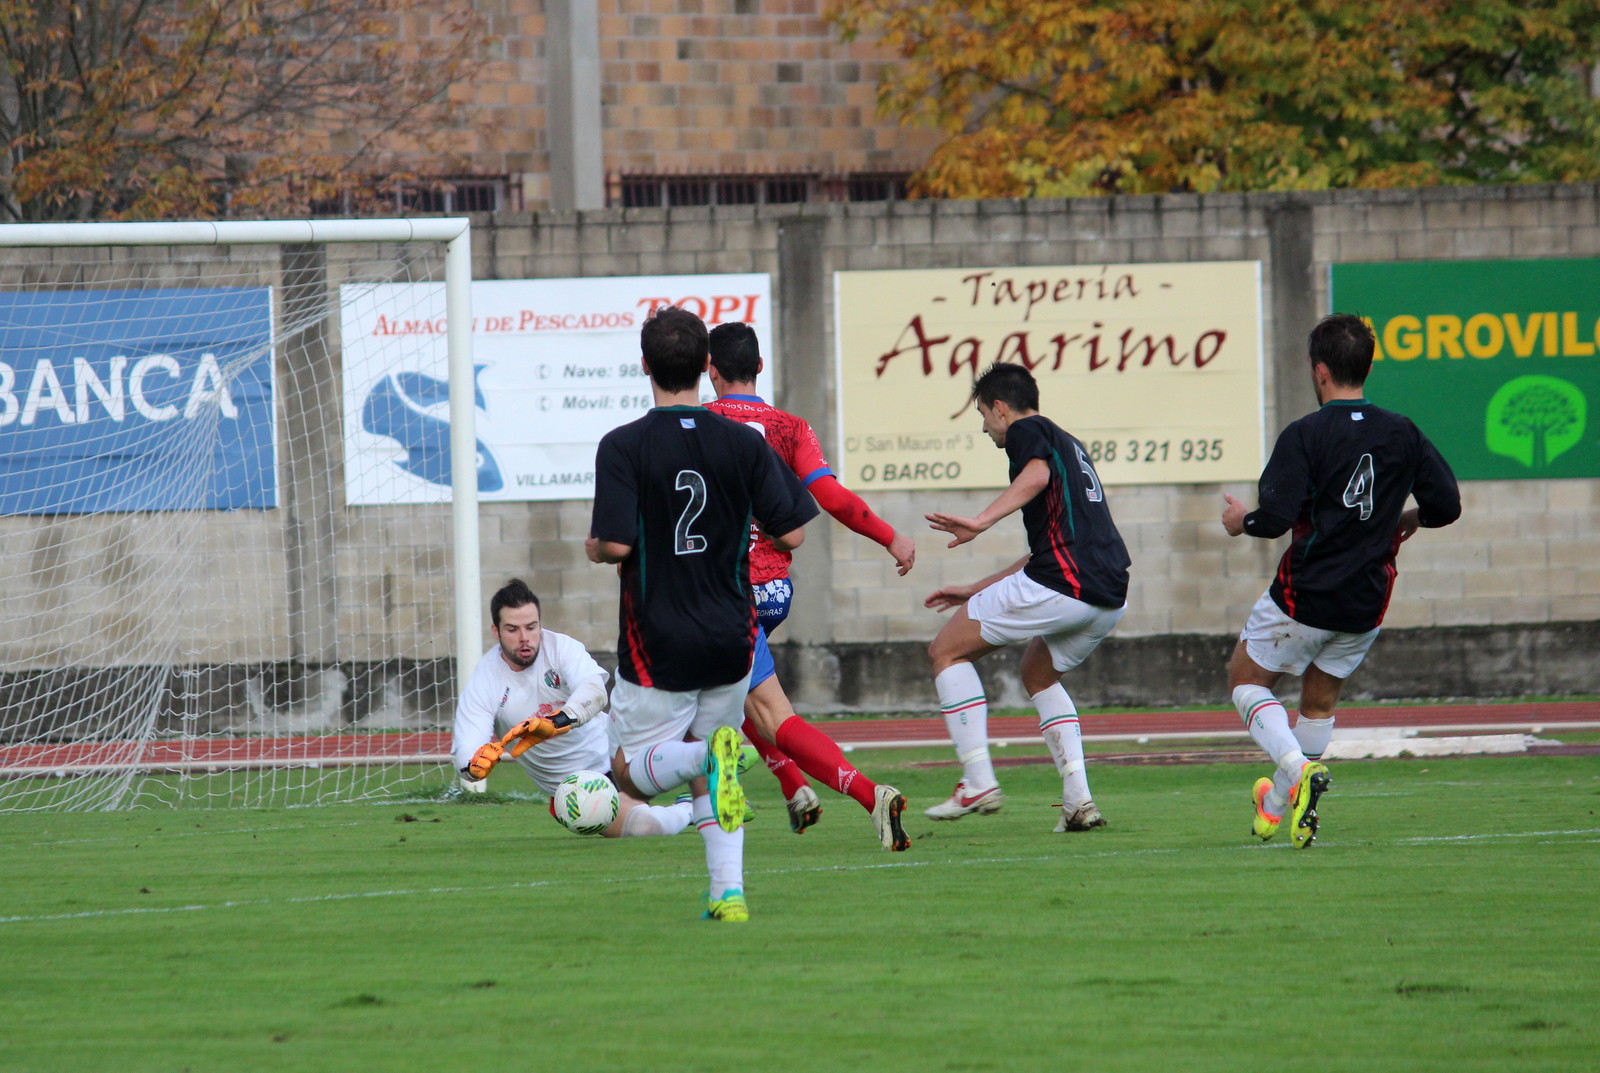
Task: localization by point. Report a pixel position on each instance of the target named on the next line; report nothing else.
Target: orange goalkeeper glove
(484, 760)
(531, 732)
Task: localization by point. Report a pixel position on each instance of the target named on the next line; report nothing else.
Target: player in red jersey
(792, 747)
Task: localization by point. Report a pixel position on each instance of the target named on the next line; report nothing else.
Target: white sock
(668, 765)
(645, 820)
(1268, 724)
(966, 715)
(724, 849)
(1313, 735)
(1058, 720)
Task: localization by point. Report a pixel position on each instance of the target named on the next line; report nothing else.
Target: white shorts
(642, 717)
(1017, 609)
(1277, 642)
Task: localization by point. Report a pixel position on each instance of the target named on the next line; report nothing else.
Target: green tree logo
(1535, 420)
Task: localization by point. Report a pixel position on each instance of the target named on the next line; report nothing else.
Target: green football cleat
(730, 908)
(1314, 782)
(1265, 824)
(722, 776)
(748, 758)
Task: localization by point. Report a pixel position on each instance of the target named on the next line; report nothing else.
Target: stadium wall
(1505, 602)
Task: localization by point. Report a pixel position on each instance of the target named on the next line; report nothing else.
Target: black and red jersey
(1074, 547)
(1340, 477)
(681, 486)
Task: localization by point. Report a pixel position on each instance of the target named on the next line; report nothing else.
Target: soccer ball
(585, 803)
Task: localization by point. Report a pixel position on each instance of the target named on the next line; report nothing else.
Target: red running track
(335, 749)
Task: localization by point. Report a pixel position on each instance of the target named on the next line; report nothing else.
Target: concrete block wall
(1518, 560)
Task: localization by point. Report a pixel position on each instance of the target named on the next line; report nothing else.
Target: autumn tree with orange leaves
(130, 109)
(1075, 97)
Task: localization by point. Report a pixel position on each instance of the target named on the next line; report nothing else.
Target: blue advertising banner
(129, 400)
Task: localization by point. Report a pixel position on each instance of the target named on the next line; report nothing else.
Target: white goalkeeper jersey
(564, 677)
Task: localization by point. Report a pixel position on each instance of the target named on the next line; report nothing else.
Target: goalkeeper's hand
(484, 760)
(532, 731)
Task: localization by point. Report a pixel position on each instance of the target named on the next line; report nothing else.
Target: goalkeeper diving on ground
(537, 686)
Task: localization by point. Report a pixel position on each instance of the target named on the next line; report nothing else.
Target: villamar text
(542, 480)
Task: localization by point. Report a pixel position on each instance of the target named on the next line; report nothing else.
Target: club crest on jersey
(552, 679)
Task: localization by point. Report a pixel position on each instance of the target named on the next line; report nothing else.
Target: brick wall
(705, 86)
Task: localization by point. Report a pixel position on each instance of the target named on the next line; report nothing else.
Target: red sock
(821, 758)
(790, 777)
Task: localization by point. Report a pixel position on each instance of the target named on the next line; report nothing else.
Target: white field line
(1052, 858)
(1527, 726)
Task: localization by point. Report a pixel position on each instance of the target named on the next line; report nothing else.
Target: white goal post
(123, 678)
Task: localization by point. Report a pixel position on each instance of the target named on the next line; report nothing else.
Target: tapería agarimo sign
(1155, 367)
(1497, 361)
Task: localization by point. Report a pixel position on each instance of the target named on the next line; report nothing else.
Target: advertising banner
(1496, 361)
(557, 368)
(128, 400)
(1155, 367)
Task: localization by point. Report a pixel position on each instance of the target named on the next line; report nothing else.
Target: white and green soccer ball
(585, 803)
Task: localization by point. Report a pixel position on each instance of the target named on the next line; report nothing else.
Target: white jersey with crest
(563, 677)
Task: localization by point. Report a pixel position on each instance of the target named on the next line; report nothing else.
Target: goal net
(194, 607)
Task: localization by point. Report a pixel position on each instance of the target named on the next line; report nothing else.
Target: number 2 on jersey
(1358, 493)
(685, 542)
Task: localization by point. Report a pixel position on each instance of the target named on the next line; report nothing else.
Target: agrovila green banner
(1497, 361)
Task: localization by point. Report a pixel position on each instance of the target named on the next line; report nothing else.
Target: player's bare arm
(1409, 524)
(1233, 516)
(790, 540)
(1033, 479)
(904, 552)
(956, 595)
(606, 551)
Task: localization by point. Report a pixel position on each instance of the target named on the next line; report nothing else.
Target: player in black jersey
(1061, 599)
(675, 493)
(1340, 479)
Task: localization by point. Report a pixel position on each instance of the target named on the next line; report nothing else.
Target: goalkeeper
(506, 710)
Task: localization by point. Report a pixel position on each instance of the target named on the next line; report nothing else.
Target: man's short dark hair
(736, 352)
(1007, 382)
(513, 594)
(673, 342)
(1344, 344)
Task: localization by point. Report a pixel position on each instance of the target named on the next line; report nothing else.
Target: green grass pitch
(1444, 921)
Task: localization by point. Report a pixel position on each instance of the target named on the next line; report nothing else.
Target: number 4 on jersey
(1358, 493)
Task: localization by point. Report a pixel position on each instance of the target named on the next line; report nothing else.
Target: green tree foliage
(1073, 97)
(148, 108)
